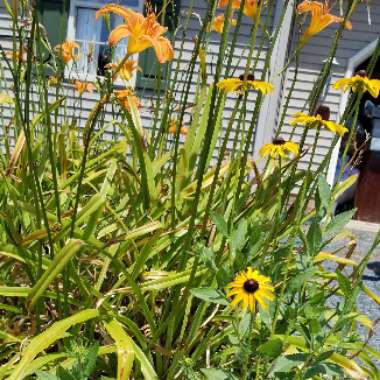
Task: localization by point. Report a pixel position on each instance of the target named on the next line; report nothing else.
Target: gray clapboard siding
(239, 60)
(311, 62)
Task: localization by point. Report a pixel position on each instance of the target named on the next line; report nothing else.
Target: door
(368, 193)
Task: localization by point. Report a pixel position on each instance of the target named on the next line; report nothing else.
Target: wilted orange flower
(320, 18)
(142, 32)
(126, 71)
(173, 128)
(250, 9)
(218, 23)
(81, 87)
(20, 56)
(67, 51)
(126, 98)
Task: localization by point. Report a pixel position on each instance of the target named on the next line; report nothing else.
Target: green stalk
(185, 100)
(49, 129)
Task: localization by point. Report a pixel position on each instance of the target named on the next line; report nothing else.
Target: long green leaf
(56, 266)
(125, 351)
(45, 339)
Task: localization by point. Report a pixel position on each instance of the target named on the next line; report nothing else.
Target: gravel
(371, 280)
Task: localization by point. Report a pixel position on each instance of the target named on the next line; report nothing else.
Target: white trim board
(268, 112)
(353, 62)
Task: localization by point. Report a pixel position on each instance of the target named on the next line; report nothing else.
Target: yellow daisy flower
(279, 148)
(238, 85)
(321, 119)
(250, 287)
(359, 83)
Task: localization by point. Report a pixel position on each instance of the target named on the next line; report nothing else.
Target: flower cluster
(142, 33)
(250, 9)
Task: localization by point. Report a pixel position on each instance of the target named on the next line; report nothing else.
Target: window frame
(71, 32)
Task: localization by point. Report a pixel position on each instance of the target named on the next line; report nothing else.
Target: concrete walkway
(365, 234)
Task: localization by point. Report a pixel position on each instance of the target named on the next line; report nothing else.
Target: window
(92, 35)
(75, 20)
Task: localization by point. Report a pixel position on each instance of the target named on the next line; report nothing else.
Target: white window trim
(71, 31)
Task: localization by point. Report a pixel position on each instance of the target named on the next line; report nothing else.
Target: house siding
(239, 61)
(198, 8)
(310, 65)
(311, 62)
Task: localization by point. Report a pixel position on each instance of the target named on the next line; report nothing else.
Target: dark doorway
(367, 198)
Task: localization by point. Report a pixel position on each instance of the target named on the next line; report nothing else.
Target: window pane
(87, 28)
(92, 35)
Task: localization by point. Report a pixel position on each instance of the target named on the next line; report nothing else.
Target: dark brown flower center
(323, 112)
(361, 73)
(249, 77)
(278, 141)
(250, 286)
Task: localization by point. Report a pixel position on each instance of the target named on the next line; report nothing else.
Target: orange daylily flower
(142, 32)
(320, 18)
(126, 71)
(235, 4)
(126, 98)
(250, 9)
(218, 23)
(173, 128)
(81, 87)
(66, 50)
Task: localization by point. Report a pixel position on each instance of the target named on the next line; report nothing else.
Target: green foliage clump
(129, 245)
